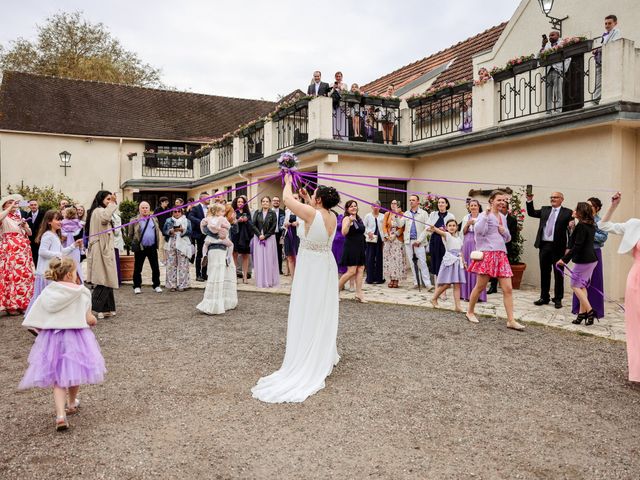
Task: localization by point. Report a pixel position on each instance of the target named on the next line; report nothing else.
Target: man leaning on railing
(611, 34)
(555, 74)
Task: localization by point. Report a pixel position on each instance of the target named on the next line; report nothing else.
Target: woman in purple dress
(338, 246)
(596, 286)
(468, 246)
(265, 255)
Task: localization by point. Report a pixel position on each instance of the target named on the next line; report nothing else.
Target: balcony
(431, 120)
(292, 124)
(443, 112)
(361, 118)
(167, 165)
(563, 81)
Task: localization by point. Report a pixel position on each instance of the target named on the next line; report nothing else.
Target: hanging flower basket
(351, 98)
(551, 59)
(414, 102)
(375, 101)
(391, 102)
(579, 48)
(525, 66)
(502, 75)
(463, 87)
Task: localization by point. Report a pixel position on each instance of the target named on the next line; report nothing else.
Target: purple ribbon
(180, 207)
(574, 277)
(372, 204)
(387, 188)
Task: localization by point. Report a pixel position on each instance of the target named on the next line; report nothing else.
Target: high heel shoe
(360, 299)
(581, 316)
(591, 316)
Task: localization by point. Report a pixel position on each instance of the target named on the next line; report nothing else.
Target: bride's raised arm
(305, 212)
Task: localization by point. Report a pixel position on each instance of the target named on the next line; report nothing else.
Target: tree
(48, 197)
(70, 46)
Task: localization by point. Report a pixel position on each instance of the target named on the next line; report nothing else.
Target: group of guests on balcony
(353, 120)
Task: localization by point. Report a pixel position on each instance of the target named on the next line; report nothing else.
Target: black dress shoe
(541, 301)
(492, 290)
(199, 279)
(557, 303)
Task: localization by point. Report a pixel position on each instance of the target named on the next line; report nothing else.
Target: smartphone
(529, 189)
(23, 204)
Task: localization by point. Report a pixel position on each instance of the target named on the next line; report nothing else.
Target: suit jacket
(323, 89)
(512, 225)
(422, 219)
(281, 215)
(34, 226)
(266, 226)
(561, 230)
(195, 216)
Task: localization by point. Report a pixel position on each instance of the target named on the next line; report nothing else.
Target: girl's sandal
(61, 424)
(73, 409)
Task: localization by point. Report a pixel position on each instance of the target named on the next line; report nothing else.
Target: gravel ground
(417, 394)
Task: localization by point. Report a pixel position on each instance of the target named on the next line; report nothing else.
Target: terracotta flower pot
(518, 270)
(126, 267)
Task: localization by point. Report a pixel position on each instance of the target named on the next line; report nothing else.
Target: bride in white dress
(312, 327)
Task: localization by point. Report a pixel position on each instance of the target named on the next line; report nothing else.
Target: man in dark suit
(317, 87)
(197, 213)
(279, 229)
(512, 225)
(34, 218)
(551, 241)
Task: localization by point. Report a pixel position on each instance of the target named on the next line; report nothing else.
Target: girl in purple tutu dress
(50, 239)
(65, 354)
(452, 266)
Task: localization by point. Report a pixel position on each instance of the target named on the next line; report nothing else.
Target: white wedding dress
(312, 328)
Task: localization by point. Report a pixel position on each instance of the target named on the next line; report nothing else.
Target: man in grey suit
(317, 87)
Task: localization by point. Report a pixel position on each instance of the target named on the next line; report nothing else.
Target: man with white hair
(145, 240)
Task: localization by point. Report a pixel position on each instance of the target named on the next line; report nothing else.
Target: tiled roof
(462, 67)
(40, 103)
(297, 93)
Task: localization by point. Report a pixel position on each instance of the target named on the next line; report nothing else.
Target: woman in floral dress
(393, 255)
(16, 262)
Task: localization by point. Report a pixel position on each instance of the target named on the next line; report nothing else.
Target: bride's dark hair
(328, 196)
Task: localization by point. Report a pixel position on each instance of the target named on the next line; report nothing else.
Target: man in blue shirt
(145, 240)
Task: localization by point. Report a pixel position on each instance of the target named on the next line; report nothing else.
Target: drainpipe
(120, 170)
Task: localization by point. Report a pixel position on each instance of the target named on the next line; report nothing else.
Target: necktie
(413, 235)
(551, 222)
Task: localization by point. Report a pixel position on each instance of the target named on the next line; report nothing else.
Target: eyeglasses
(554, 197)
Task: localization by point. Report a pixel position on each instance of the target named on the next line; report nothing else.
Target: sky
(262, 49)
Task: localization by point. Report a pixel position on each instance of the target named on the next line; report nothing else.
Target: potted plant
(414, 101)
(351, 97)
(523, 63)
(462, 86)
(391, 102)
(516, 247)
(128, 210)
(499, 74)
(576, 46)
(373, 100)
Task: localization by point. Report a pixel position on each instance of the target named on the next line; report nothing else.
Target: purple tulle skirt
(38, 286)
(452, 273)
(64, 358)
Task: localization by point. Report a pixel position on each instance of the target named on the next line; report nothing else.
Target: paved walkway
(612, 326)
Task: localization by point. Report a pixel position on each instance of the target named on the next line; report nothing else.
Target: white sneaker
(137, 291)
(100, 316)
(157, 290)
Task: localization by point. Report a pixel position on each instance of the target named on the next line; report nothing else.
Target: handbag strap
(145, 228)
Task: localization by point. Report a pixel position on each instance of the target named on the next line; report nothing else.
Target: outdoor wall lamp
(65, 158)
(556, 23)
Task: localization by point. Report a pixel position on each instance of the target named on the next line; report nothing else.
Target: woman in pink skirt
(492, 234)
(264, 248)
(630, 231)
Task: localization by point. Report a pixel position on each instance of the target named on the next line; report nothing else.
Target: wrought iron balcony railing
(565, 80)
(225, 156)
(292, 124)
(168, 165)
(252, 142)
(446, 112)
(366, 119)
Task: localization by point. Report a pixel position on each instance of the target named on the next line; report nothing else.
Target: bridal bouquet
(288, 164)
